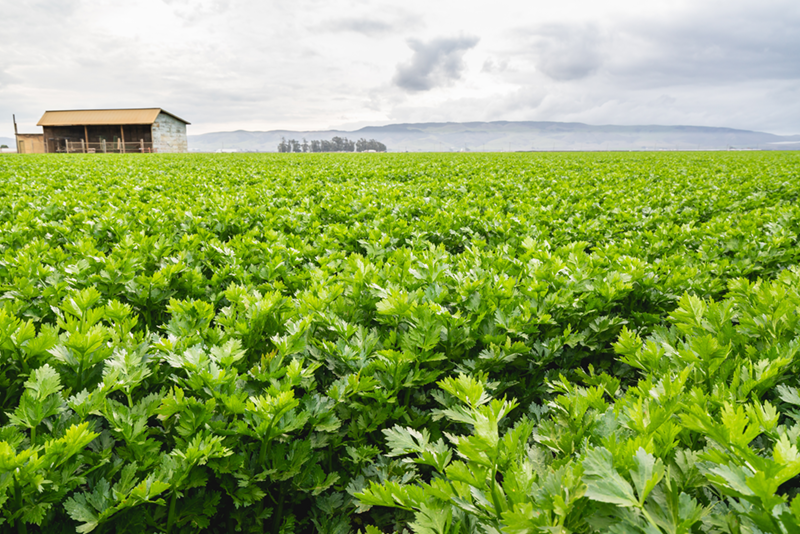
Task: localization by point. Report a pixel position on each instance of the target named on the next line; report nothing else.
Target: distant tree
(3, 146)
(337, 144)
(362, 145)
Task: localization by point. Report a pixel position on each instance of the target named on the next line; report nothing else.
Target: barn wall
(169, 134)
(30, 143)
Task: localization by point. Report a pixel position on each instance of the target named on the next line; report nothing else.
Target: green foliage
(437, 343)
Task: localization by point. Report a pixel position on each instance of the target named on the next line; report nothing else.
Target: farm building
(112, 130)
(30, 143)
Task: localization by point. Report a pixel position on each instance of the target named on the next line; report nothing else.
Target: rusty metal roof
(80, 117)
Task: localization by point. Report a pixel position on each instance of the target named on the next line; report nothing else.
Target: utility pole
(16, 137)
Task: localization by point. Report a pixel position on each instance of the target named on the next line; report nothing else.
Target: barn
(98, 131)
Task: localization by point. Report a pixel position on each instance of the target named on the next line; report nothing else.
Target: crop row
(474, 343)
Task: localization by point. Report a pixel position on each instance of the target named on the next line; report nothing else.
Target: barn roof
(80, 117)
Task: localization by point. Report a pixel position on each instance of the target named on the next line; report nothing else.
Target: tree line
(337, 144)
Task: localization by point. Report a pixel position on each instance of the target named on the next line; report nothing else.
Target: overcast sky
(320, 64)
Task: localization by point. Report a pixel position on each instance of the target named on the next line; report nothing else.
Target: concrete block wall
(169, 134)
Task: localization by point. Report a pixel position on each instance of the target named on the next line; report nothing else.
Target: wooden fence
(107, 147)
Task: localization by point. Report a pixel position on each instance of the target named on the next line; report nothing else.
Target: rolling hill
(512, 136)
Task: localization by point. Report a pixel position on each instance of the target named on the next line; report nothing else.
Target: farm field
(464, 343)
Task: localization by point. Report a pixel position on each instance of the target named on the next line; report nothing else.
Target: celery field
(429, 343)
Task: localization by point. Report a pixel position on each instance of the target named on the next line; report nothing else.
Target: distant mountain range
(506, 136)
(511, 136)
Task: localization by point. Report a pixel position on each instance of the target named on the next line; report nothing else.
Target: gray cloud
(714, 46)
(192, 11)
(704, 43)
(491, 66)
(564, 52)
(42, 10)
(365, 26)
(391, 20)
(434, 63)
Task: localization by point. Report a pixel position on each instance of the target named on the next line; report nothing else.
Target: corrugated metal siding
(101, 116)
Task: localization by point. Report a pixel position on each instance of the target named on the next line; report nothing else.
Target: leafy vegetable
(439, 343)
